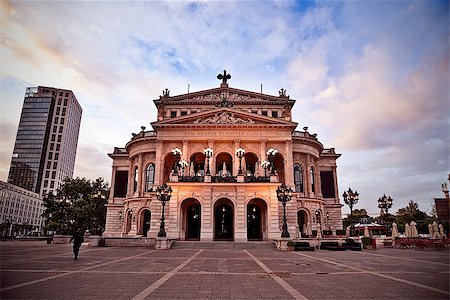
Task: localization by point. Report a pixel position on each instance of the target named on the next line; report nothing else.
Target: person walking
(77, 239)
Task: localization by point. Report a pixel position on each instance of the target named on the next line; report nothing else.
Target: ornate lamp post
(271, 153)
(177, 154)
(265, 165)
(208, 153)
(351, 198)
(183, 165)
(240, 152)
(163, 193)
(284, 195)
(385, 203)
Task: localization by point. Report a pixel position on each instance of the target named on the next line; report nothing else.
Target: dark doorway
(254, 223)
(301, 221)
(224, 217)
(193, 222)
(147, 218)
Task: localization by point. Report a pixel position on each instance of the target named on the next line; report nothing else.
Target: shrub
(350, 241)
(366, 240)
(291, 243)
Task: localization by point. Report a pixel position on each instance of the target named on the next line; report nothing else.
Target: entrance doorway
(191, 211)
(146, 225)
(224, 220)
(256, 215)
(301, 221)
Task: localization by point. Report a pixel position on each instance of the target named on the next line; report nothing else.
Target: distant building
(443, 204)
(46, 142)
(20, 209)
(223, 196)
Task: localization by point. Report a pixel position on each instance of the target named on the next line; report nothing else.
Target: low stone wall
(61, 239)
(313, 242)
(128, 242)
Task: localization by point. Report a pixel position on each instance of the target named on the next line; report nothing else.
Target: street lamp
(271, 155)
(284, 195)
(177, 154)
(265, 165)
(240, 152)
(385, 203)
(163, 193)
(208, 153)
(351, 198)
(183, 165)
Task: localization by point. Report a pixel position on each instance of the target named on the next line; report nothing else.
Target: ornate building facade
(224, 152)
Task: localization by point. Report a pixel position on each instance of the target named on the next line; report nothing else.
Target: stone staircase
(263, 245)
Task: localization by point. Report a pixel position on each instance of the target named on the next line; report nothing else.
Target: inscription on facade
(223, 133)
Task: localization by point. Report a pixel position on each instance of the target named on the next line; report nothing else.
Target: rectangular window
(327, 184)
(57, 147)
(65, 102)
(59, 138)
(45, 183)
(56, 155)
(50, 155)
(173, 113)
(183, 112)
(56, 120)
(59, 101)
(55, 165)
(53, 137)
(53, 174)
(52, 184)
(120, 184)
(264, 112)
(60, 129)
(52, 145)
(274, 114)
(62, 121)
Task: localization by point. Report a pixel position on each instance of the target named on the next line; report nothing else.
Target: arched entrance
(302, 221)
(197, 164)
(251, 164)
(256, 220)
(191, 211)
(145, 225)
(279, 166)
(224, 163)
(224, 220)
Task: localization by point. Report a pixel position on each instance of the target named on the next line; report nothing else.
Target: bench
(333, 246)
(355, 246)
(303, 246)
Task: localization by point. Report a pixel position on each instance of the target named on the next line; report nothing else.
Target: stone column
(141, 176)
(289, 164)
(212, 160)
(207, 215)
(237, 144)
(113, 183)
(240, 227)
(307, 187)
(130, 178)
(336, 190)
(159, 163)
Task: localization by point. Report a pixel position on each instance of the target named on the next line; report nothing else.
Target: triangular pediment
(224, 117)
(216, 95)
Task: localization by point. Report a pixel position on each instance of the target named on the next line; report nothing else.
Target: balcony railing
(191, 178)
(224, 179)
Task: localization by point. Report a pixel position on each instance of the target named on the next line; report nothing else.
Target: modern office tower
(47, 137)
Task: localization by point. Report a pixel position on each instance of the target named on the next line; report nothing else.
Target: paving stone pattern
(219, 270)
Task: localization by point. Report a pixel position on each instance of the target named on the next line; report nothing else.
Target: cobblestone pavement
(35, 270)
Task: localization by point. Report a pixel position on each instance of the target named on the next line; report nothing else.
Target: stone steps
(223, 245)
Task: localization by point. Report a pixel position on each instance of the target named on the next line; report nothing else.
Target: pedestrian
(77, 239)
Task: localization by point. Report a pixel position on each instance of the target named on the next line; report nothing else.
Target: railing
(253, 178)
(230, 179)
(190, 178)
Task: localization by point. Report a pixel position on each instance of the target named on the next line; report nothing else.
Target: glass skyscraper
(46, 142)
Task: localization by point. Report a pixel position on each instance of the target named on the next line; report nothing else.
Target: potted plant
(290, 245)
(367, 242)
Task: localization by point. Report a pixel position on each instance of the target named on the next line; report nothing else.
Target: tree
(412, 213)
(359, 216)
(78, 203)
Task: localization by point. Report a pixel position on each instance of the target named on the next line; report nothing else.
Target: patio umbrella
(366, 231)
(244, 166)
(407, 230)
(394, 230)
(430, 230)
(436, 230)
(413, 229)
(347, 231)
(441, 231)
(304, 229)
(298, 234)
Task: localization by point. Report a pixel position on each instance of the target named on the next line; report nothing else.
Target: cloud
(370, 78)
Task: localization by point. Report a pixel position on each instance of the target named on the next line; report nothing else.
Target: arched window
(298, 178)
(149, 177)
(312, 180)
(135, 179)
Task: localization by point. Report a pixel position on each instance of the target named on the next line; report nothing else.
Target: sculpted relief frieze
(223, 118)
(229, 96)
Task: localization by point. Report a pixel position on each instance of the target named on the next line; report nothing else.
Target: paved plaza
(36, 270)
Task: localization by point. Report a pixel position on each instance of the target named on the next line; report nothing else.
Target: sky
(371, 78)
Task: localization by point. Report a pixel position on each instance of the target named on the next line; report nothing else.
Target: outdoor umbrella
(224, 169)
(256, 169)
(319, 232)
(441, 230)
(366, 231)
(435, 230)
(407, 230)
(430, 230)
(191, 169)
(413, 229)
(298, 234)
(304, 229)
(347, 231)
(394, 230)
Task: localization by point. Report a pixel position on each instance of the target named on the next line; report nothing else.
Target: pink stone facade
(225, 204)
